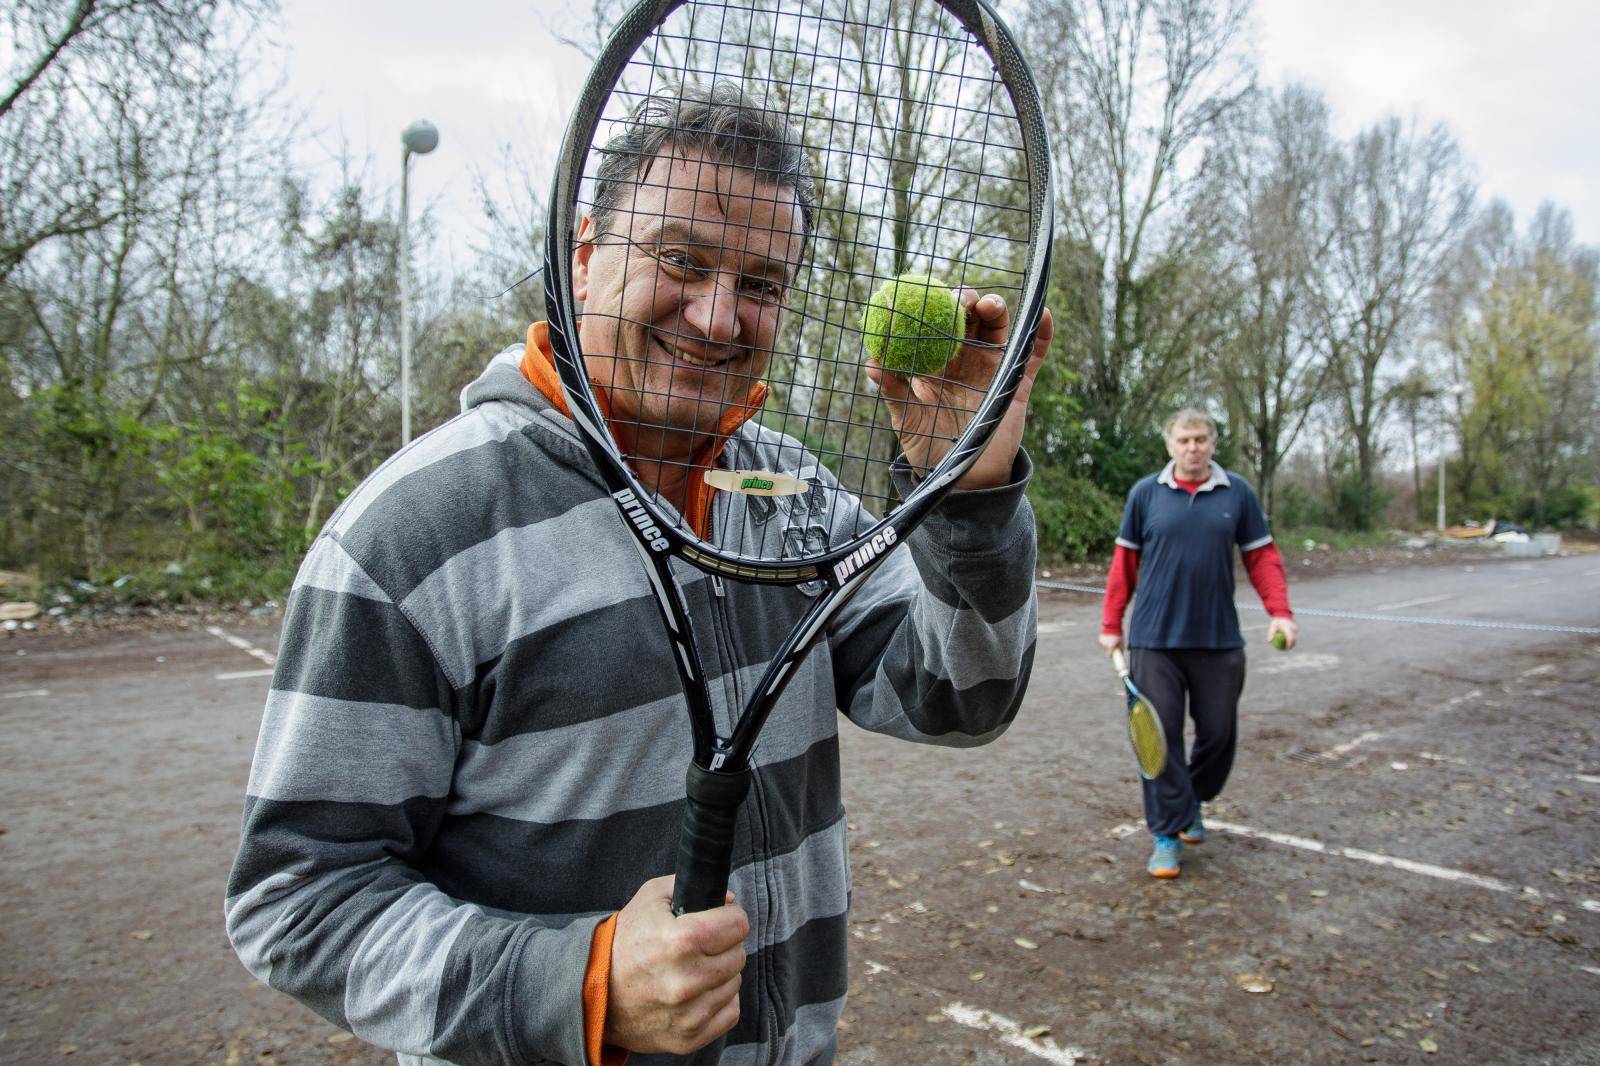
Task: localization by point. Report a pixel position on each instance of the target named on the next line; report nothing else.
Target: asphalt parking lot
(1405, 867)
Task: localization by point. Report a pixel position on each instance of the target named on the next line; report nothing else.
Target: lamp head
(420, 137)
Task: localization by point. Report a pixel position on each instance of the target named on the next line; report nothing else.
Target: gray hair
(724, 122)
(1190, 416)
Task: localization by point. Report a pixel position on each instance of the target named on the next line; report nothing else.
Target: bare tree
(53, 177)
(1135, 89)
(108, 307)
(1398, 198)
(1269, 371)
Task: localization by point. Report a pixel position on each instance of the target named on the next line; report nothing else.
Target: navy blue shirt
(1184, 597)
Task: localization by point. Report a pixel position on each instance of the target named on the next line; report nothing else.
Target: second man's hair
(1190, 416)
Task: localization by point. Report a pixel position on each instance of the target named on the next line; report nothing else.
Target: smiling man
(1176, 544)
(469, 778)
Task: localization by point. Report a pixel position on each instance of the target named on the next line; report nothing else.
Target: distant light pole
(1454, 392)
(420, 138)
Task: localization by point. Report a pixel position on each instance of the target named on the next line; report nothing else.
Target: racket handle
(705, 845)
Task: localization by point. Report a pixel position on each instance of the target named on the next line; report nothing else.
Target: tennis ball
(1280, 640)
(913, 324)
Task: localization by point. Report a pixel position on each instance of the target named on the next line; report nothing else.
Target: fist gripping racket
(737, 181)
(1144, 725)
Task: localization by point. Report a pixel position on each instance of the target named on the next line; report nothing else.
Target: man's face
(682, 293)
(1191, 445)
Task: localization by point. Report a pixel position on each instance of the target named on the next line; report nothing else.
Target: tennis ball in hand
(1280, 640)
(913, 324)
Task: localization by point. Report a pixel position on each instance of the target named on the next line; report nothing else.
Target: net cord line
(1369, 616)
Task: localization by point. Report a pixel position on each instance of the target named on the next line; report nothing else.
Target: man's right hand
(1110, 641)
(674, 978)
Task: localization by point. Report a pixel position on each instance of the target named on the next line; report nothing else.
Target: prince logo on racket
(467, 836)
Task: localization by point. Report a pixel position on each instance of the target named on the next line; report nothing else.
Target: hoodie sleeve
(349, 783)
(938, 644)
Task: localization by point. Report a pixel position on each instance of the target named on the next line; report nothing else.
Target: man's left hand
(1286, 626)
(929, 413)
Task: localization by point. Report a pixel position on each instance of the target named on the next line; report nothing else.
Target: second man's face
(682, 295)
(1191, 447)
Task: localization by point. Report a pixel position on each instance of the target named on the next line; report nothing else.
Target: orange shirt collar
(538, 366)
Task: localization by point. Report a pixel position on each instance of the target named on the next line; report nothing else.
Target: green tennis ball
(913, 324)
(1280, 640)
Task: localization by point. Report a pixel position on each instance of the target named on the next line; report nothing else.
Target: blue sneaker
(1165, 859)
(1195, 832)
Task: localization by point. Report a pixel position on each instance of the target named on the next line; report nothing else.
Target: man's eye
(763, 289)
(674, 257)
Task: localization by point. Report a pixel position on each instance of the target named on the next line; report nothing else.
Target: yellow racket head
(1149, 742)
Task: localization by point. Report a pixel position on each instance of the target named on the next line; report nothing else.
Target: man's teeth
(685, 357)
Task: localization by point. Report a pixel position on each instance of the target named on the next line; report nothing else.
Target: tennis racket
(1149, 740)
(725, 262)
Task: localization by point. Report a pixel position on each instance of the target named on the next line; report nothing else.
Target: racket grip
(705, 845)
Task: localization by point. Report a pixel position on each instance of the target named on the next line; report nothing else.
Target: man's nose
(711, 306)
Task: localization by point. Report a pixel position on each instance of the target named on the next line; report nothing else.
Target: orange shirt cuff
(596, 990)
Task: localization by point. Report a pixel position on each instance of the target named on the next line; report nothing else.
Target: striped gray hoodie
(475, 743)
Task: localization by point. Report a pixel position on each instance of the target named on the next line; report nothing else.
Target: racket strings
(914, 147)
(1148, 738)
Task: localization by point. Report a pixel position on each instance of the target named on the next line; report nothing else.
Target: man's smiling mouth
(699, 362)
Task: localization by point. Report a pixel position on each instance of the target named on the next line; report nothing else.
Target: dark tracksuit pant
(1208, 683)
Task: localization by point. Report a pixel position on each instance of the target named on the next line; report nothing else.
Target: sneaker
(1195, 832)
(1164, 860)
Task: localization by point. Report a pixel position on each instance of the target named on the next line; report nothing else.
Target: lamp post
(419, 138)
(1454, 392)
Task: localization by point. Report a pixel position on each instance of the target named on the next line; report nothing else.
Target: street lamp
(419, 138)
(1454, 392)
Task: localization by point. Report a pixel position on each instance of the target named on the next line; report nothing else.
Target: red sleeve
(1120, 583)
(1265, 567)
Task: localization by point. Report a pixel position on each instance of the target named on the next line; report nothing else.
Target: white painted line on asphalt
(1350, 745)
(1333, 754)
(242, 644)
(1056, 627)
(1591, 969)
(25, 694)
(1442, 873)
(1414, 603)
(1464, 697)
(1011, 1033)
(1007, 1030)
(1588, 779)
(1542, 668)
(1530, 584)
(240, 675)
(1294, 662)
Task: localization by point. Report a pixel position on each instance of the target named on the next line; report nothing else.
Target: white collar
(1218, 478)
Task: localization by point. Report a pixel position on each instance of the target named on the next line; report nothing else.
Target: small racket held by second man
(1149, 740)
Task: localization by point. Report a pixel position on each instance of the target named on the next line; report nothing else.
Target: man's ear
(580, 259)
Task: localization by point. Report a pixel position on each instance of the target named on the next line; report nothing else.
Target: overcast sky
(1516, 83)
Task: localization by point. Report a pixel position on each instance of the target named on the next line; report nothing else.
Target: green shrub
(1076, 518)
(1297, 507)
